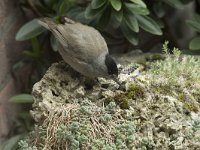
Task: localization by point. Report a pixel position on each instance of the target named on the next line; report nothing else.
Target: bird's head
(111, 66)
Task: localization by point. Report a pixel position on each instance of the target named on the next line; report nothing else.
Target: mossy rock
(145, 110)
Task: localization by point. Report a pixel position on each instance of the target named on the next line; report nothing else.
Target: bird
(82, 47)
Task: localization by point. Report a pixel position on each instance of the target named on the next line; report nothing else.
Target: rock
(141, 109)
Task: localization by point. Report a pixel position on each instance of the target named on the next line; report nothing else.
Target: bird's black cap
(111, 65)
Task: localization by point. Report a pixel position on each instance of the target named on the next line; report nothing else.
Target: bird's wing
(83, 41)
(50, 25)
(80, 41)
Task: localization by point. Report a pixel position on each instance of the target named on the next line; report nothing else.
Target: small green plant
(169, 68)
(125, 16)
(24, 146)
(22, 124)
(195, 42)
(22, 98)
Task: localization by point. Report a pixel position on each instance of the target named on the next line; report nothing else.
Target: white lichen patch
(155, 109)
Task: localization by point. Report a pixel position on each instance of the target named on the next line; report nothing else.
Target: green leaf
(195, 43)
(36, 51)
(12, 143)
(29, 30)
(53, 43)
(116, 4)
(78, 14)
(26, 119)
(61, 8)
(41, 9)
(149, 25)
(36, 47)
(103, 21)
(97, 3)
(29, 54)
(194, 24)
(136, 9)
(159, 9)
(197, 17)
(116, 18)
(81, 18)
(190, 52)
(118, 15)
(92, 13)
(130, 36)
(113, 39)
(48, 3)
(159, 22)
(17, 66)
(22, 98)
(139, 2)
(174, 3)
(131, 21)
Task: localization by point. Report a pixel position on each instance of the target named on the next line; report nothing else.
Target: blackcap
(82, 47)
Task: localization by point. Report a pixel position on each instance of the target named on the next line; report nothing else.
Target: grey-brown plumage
(82, 47)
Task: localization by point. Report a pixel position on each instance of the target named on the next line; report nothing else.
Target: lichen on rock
(156, 108)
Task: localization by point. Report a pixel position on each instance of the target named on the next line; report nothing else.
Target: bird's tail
(56, 29)
(48, 23)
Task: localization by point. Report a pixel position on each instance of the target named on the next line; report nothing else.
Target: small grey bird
(82, 47)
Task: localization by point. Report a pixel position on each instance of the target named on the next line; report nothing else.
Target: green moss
(187, 104)
(163, 89)
(108, 100)
(122, 101)
(135, 91)
(131, 87)
(197, 96)
(191, 106)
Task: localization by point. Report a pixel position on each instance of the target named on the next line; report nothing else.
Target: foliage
(195, 42)
(24, 146)
(187, 68)
(29, 30)
(12, 143)
(22, 98)
(127, 16)
(23, 122)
